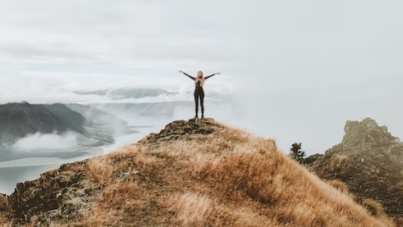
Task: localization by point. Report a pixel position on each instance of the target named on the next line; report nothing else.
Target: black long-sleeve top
(199, 82)
(194, 78)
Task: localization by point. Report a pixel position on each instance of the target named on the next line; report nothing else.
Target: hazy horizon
(296, 71)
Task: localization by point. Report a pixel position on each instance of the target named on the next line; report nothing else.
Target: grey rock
(370, 161)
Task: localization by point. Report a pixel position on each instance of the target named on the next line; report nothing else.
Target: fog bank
(46, 142)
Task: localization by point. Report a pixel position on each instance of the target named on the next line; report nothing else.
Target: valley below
(38, 152)
(25, 166)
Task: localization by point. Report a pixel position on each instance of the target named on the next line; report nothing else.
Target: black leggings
(199, 94)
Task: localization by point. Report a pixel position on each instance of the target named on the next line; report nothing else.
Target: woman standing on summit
(199, 92)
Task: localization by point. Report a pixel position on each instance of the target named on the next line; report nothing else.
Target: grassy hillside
(208, 174)
(228, 178)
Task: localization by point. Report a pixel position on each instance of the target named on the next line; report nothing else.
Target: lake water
(15, 171)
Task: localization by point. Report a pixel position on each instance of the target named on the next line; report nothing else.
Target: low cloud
(46, 142)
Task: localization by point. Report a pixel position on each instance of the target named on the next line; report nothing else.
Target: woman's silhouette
(199, 92)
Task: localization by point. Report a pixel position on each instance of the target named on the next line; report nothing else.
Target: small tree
(296, 152)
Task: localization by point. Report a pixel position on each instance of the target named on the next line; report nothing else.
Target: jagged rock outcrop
(370, 161)
(65, 193)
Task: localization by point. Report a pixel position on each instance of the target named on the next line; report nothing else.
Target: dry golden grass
(116, 199)
(4, 222)
(373, 206)
(195, 210)
(102, 169)
(341, 186)
(376, 209)
(229, 178)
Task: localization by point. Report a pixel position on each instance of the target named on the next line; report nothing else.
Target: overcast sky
(299, 69)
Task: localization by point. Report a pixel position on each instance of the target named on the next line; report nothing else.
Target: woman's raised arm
(191, 77)
(217, 73)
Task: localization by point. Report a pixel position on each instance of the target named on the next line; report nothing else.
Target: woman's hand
(180, 71)
(217, 73)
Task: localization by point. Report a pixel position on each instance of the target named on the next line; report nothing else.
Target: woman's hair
(200, 78)
(200, 74)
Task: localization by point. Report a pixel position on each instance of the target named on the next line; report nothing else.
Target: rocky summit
(182, 129)
(370, 161)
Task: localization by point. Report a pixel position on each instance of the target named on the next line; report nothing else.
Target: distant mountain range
(17, 120)
(128, 93)
(143, 109)
(151, 94)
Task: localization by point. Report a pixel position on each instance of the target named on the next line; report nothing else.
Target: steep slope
(189, 174)
(370, 161)
(73, 118)
(20, 119)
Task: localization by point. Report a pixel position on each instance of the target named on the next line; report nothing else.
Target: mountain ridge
(18, 120)
(191, 173)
